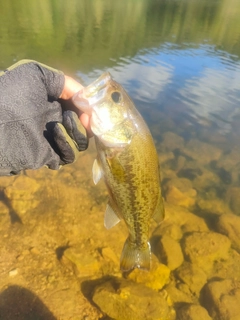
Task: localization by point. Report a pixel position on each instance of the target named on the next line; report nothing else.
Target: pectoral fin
(159, 213)
(111, 218)
(97, 172)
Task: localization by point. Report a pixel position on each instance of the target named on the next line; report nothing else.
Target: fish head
(108, 105)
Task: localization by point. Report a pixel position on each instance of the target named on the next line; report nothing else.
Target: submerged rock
(206, 180)
(83, 264)
(121, 299)
(172, 141)
(233, 198)
(193, 312)
(203, 248)
(165, 157)
(229, 224)
(193, 276)
(4, 210)
(179, 191)
(229, 165)
(177, 296)
(169, 251)
(156, 278)
(168, 228)
(202, 152)
(21, 194)
(229, 160)
(214, 206)
(188, 221)
(223, 268)
(221, 299)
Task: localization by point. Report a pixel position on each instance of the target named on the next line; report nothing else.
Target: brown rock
(193, 312)
(203, 248)
(188, 221)
(202, 152)
(156, 278)
(21, 194)
(83, 264)
(170, 252)
(221, 299)
(170, 229)
(233, 198)
(193, 276)
(229, 224)
(123, 300)
(176, 295)
(172, 141)
(179, 191)
(214, 206)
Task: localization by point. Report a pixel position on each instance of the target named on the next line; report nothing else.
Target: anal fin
(110, 218)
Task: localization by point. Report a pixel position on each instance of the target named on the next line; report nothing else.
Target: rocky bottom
(59, 262)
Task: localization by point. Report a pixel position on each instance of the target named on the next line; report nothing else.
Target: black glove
(34, 131)
(69, 137)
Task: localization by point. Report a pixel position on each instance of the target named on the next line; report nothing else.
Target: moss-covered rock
(121, 299)
(156, 278)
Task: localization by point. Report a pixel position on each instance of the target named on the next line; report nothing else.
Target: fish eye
(116, 96)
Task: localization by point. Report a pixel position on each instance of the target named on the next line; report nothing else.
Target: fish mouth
(93, 94)
(92, 90)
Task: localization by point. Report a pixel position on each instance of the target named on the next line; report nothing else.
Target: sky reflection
(203, 82)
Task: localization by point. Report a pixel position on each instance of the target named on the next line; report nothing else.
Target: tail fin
(133, 257)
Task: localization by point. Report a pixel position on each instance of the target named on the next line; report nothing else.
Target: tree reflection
(96, 33)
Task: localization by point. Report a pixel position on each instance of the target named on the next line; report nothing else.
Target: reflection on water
(179, 61)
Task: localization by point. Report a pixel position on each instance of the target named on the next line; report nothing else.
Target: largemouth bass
(127, 160)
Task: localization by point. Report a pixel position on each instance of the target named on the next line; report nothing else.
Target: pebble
(13, 272)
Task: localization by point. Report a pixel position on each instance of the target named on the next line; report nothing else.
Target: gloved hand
(70, 137)
(34, 130)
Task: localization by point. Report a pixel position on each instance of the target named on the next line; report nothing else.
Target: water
(179, 62)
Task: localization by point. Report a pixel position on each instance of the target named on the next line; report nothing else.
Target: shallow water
(179, 62)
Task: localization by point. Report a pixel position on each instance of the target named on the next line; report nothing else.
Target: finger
(85, 120)
(75, 129)
(67, 149)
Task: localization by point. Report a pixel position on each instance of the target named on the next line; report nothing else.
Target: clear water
(179, 62)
